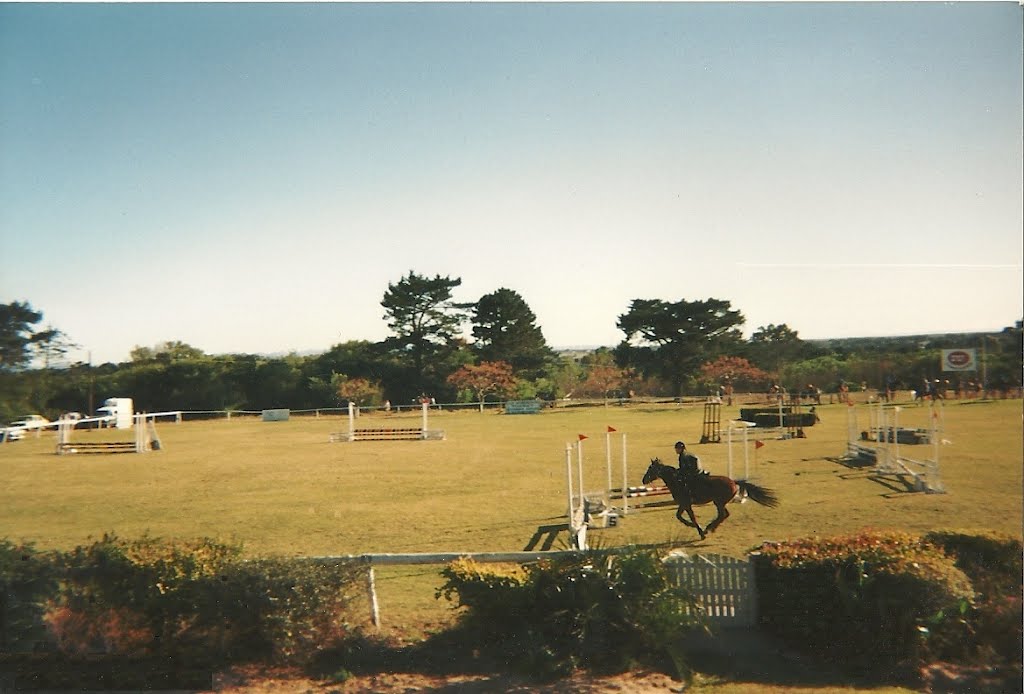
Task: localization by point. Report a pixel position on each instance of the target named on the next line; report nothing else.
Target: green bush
(597, 610)
(873, 600)
(995, 564)
(285, 610)
(191, 599)
(27, 579)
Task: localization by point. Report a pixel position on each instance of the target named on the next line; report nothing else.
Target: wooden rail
(95, 447)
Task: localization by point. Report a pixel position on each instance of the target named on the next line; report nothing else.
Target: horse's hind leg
(723, 513)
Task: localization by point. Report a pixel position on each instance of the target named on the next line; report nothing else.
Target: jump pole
(579, 468)
(140, 437)
(746, 453)
(568, 475)
(579, 471)
(577, 516)
(608, 465)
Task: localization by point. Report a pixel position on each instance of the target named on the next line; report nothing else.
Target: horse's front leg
(693, 520)
(679, 517)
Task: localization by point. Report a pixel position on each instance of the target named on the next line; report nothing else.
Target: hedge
(151, 597)
(597, 611)
(884, 601)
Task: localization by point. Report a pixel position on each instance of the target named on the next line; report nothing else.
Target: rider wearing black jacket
(689, 466)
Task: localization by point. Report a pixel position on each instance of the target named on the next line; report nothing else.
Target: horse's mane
(674, 471)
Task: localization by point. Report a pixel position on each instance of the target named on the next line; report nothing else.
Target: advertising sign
(959, 359)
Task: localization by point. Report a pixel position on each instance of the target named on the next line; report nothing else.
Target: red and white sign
(959, 359)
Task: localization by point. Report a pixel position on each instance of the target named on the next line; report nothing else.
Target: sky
(250, 178)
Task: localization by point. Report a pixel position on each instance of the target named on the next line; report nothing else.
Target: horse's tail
(762, 495)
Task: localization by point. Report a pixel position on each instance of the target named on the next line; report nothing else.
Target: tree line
(669, 348)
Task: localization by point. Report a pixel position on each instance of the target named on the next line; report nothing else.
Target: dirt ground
(739, 656)
(262, 682)
(935, 678)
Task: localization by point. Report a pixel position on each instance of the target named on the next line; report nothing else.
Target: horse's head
(654, 471)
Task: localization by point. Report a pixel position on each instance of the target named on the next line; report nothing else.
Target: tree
(603, 380)
(51, 345)
(171, 350)
(17, 337)
(356, 359)
(361, 391)
(486, 378)
(425, 320)
(771, 346)
(505, 330)
(1003, 359)
(560, 379)
(672, 340)
(737, 372)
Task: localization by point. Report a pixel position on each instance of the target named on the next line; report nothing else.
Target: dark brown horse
(706, 489)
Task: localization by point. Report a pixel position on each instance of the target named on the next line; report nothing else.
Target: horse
(706, 489)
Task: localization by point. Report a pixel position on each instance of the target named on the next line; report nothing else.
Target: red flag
(611, 429)
(583, 436)
(758, 444)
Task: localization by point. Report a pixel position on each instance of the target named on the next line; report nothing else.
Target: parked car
(30, 422)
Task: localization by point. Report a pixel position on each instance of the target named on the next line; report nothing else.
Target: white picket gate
(724, 586)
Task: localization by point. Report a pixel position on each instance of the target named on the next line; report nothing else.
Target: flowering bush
(193, 599)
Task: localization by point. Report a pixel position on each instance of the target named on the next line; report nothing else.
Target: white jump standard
(579, 518)
(885, 454)
(421, 433)
(145, 438)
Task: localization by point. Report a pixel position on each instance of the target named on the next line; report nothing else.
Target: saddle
(692, 481)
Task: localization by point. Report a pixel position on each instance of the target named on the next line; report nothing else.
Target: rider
(689, 466)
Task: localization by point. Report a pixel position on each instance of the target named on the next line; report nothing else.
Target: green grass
(281, 488)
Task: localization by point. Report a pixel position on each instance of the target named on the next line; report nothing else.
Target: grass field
(282, 488)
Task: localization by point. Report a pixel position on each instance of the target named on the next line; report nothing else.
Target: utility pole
(984, 366)
(90, 411)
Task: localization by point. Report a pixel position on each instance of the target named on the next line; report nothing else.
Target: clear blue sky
(249, 178)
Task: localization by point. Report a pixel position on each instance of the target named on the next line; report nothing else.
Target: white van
(118, 412)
